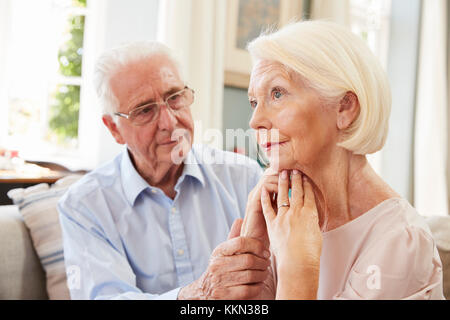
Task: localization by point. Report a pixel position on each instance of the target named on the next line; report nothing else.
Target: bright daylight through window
(44, 77)
(370, 20)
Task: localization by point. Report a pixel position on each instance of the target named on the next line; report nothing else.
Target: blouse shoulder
(400, 262)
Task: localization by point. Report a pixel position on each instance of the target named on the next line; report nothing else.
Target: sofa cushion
(440, 228)
(21, 274)
(37, 205)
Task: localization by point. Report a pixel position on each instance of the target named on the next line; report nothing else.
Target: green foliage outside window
(65, 105)
(79, 3)
(71, 53)
(64, 112)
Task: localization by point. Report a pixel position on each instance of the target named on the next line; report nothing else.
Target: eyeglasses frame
(127, 115)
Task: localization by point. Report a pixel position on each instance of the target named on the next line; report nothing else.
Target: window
(370, 19)
(43, 77)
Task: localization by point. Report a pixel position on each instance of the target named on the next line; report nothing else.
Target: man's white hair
(115, 59)
(333, 61)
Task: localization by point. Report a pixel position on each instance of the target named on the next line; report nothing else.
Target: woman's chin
(281, 163)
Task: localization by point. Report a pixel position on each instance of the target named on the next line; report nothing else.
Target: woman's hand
(295, 237)
(254, 225)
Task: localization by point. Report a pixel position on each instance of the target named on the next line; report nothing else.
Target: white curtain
(332, 10)
(195, 30)
(430, 154)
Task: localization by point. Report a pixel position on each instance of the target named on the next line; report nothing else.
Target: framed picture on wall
(246, 19)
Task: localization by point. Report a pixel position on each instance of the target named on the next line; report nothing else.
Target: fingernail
(295, 172)
(266, 254)
(284, 175)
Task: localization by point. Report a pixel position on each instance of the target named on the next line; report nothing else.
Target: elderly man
(153, 223)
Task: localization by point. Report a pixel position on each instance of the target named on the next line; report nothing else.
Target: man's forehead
(159, 66)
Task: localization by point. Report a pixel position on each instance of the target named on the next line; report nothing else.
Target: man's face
(151, 144)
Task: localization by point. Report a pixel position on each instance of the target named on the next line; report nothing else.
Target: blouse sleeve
(403, 264)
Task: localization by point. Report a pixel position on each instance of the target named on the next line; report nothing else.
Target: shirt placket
(179, 247)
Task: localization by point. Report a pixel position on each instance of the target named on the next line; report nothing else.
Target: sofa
(31, 262)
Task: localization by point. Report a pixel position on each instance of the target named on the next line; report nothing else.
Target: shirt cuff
(170, 295)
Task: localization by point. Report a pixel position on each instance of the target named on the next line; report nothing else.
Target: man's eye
(143, 111)
(253, 104)
(175, 97)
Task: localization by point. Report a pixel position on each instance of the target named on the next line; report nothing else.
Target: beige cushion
(21, 274)
(37, 205)
(445, 258)
(440, 228)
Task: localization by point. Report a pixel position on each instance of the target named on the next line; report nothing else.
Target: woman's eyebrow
(269, 83)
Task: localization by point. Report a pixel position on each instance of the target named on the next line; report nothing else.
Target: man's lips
(168, 142)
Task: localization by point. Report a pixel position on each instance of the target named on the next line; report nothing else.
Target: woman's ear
(348, 110)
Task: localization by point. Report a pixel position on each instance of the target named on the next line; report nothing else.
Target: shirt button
(174, 210)
(154, 191)
(180, 252)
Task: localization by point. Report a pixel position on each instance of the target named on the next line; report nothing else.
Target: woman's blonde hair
(333, 61)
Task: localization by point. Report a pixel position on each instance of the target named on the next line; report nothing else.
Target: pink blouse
(386, 253)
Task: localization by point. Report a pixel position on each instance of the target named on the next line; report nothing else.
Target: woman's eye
(277, 94)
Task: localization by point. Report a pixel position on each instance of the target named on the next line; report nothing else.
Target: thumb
(235, 230)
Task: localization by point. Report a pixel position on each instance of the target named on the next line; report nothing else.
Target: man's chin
(173, 153)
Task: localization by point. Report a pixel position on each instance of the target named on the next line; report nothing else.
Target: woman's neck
(346, 188)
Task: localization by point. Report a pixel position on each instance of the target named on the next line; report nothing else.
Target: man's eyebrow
(172, 90)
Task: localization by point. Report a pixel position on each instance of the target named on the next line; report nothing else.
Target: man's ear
(348, 110)
(109, 122)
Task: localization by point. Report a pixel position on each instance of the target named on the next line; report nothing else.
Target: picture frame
(245, 21)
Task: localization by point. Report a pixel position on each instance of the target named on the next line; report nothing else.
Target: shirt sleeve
(404, 264)
(257, 173)
(95, 267)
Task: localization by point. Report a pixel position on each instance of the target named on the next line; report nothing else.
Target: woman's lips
(270, 145)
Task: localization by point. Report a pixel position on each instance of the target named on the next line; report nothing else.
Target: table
(29, 175)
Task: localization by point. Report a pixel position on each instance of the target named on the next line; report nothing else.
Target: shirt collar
(192, 168)
(133, 184)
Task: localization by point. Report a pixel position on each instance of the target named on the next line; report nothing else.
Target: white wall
(397, 166)
(113, 23)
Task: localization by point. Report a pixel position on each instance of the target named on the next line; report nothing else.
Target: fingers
(283, 191)
(238, 262)
(236, 278)
(241, 245)
(235, 230)
(309, 199)
(266, 204)
(297, 188)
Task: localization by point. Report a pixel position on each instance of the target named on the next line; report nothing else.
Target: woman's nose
(260, 119)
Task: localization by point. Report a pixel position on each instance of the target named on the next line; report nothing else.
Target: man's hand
(237, 270)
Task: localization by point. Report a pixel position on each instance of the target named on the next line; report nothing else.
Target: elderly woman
(321, 103)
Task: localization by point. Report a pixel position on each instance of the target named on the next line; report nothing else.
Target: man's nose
(167, 119)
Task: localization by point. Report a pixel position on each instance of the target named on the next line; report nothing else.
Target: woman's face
(292, 123)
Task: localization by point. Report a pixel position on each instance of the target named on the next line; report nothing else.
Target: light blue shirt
(125, 239)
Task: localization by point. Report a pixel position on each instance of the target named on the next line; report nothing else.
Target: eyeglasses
(150, 112)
